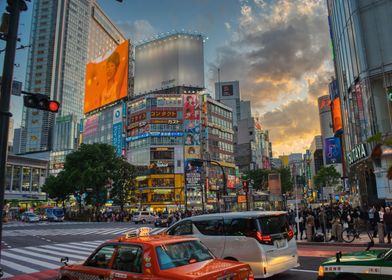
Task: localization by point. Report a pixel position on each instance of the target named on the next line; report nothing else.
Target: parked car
(144, 217)
(29, 217)
(163, 220)
(154, 257)
(263, 239)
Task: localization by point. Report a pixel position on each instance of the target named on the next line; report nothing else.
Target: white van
(144, 217)
(262, 239)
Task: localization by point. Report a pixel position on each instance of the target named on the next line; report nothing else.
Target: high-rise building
(17, 141)
(316, 154)
(64, 35)
(10, 135)
(362, 55)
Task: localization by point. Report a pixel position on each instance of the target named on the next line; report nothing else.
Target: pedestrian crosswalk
(44, 223)
(72, 231)
(39, 258)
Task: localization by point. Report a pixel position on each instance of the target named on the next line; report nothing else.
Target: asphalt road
(33, 248)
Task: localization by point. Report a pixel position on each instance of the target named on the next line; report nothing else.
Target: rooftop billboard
(107, 80)
(175, 60)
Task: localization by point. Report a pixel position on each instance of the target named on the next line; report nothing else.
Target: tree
(123, 187)
(327, 177)
(285, 179)
(58, 188)
(259, 177)
(92, 168)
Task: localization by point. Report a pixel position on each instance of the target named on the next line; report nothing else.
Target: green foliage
(59, 187)
(285, 178)
(327, 177)
(260, 178)
(92, 167)
(123, 188)
(376, 138)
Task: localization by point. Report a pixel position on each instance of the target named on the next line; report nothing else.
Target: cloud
(293, 125)
(279, 53)
(137, 30)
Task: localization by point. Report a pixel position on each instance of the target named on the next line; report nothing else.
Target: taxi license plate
(280, 243)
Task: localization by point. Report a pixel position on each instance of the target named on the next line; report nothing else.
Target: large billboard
(337, 124)
(332, 150)
(107, 80)
(175, 60)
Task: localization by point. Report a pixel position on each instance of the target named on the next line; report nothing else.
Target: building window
(26, 179)
(35, 181)
(8, 178)
(16, 178)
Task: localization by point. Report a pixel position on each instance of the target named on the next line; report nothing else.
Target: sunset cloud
(280, 54)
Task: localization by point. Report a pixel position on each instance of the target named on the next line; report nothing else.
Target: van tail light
(251, 276)
(290, 234)
(264, 239)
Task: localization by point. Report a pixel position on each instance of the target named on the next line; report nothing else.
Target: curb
(343, 244)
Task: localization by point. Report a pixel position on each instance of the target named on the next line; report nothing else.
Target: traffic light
(41, 102)
(245, 184)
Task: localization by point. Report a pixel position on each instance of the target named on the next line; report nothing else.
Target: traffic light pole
(14, 8)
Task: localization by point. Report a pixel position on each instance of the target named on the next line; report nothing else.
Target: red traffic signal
(41, 102)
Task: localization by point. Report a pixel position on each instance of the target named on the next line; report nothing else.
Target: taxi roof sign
(143, 231)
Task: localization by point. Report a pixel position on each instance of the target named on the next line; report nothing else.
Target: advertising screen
(192, 174)
(227, 90)
(324, 104)
(336, 115)
(91, 125)
(332, 150)
(107, 80)
(191, 107)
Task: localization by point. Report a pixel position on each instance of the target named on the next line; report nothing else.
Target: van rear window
(274, 224)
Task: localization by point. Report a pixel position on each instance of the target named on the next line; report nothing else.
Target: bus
(51, 214)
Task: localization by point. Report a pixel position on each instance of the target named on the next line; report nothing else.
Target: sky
(279, 51)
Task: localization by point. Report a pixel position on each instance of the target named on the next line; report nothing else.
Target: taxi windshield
(182, 253)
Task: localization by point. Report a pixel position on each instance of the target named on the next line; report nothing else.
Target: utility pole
(296, 199)
(14, 8)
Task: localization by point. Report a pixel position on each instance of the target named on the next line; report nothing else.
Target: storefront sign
(165, 121)
(155, 134)
(164, 114)
(241, 199)
(359, 152)
(138, 117)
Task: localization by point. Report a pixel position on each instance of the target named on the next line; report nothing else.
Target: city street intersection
(33, 251)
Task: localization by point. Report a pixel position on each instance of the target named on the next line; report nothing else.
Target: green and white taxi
(369, 265)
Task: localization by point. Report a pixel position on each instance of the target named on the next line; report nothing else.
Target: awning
(141, 178)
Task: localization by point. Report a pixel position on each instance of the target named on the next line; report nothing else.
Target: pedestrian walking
(388, 223)
(380, 225)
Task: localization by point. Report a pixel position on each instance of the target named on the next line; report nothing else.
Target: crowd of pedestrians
(329, 222)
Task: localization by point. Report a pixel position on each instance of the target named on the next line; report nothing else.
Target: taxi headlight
(321, 271)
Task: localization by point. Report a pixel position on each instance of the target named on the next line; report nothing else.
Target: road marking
(17, 267)
(26, 252)
(80, 251)
(74, 255)
(29, 260)
(303, 270)
(7, 275)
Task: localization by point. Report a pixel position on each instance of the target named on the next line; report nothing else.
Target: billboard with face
(227, 90)
(107, 80)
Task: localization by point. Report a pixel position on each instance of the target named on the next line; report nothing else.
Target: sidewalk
(361, 242)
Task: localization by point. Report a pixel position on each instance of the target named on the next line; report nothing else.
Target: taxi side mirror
(338, 256)
(64, 260)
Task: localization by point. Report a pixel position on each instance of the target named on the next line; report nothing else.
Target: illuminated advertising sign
(324, 104)
(169, 101)
(163, 114)
(191, 107)
(91, 125)
(337, 124)
(117, 140)
(192, 151)
(107, 80)
(138, 117)
(166, 121)
(333, 90)
(332, 150)
(231, 181)
(155, 134)
(192, 174)
(192, 132)
(227, 90)
(137, 106)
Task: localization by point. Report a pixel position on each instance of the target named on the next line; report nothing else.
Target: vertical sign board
(332, 150)
(117, 130)
(192, 133)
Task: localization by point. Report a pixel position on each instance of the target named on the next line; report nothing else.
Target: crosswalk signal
(41, 102)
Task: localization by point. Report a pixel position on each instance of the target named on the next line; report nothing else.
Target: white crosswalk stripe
(45, 223)
(38, 258)
(70, 231)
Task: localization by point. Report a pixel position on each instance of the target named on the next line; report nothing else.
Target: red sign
(138, 117)
(164, 114)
